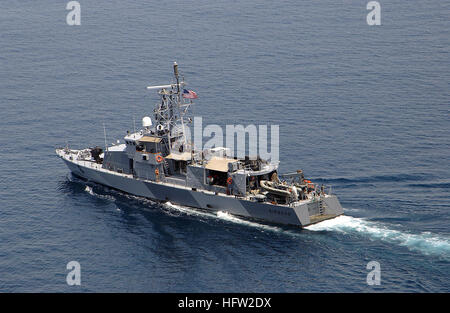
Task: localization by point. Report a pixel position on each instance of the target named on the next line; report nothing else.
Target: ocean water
(363, 108)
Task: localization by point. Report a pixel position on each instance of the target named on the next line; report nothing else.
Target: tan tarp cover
(150, 139)
(219, 164)
(179, 156)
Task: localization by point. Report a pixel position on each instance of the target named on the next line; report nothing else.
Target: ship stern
(321, 209)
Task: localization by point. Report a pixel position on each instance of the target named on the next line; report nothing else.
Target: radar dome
(146, 122)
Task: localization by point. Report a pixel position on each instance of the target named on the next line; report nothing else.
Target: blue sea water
(364, 108)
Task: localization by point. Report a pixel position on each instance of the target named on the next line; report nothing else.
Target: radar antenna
(170, 112)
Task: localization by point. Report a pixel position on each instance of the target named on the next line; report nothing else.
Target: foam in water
(186, 210)
(426, 242)
(225, 216)
(228, 217)
(90, 191)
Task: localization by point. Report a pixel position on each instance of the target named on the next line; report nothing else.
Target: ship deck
(177, 181)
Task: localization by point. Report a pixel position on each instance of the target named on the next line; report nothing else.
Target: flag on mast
(189, 94)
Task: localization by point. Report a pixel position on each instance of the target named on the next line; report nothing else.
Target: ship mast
(175, 72)
(170, 112)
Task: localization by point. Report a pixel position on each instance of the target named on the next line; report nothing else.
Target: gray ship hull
(301, 214)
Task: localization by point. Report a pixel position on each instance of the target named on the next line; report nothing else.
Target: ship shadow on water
(183, 236)
(164, 216)
(137, 211)
(191, 240)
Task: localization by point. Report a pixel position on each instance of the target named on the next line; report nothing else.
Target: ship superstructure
(160, 162)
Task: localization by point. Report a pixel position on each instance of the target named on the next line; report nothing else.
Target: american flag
(189, 94)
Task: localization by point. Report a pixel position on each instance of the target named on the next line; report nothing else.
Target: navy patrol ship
(159, 162)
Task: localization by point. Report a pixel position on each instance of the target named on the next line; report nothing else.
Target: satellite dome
(146, 122)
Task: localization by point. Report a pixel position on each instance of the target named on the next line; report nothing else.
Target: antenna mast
(104, 132)
(170, 112)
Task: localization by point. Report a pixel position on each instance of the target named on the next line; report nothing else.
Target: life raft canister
(159, 158)
(229, 180)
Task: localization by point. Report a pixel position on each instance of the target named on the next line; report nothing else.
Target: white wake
(90, 191)
(426, 242)
(221, 215)
(234, 219)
